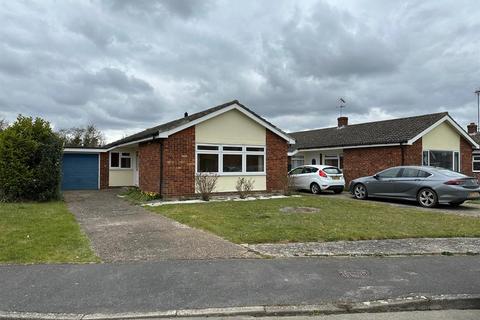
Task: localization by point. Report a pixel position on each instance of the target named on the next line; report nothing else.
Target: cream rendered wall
(232, 127)
(227, 183)
(443, 137)
(122, 177)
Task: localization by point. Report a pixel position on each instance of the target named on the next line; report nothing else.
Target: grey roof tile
(371, 133)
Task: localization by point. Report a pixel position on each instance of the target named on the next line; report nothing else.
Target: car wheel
(360, 192)
(427, 198)
(337, 191)
(315, 188)
(456, 204)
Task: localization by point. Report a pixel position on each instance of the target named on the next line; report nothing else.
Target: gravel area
(120, 231)
(420, 246)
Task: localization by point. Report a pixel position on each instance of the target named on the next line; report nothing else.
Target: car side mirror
(376, 177)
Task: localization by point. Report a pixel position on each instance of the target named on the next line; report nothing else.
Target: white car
(317, 178)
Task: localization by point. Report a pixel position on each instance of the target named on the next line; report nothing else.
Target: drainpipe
(161, 168)
(402, 149)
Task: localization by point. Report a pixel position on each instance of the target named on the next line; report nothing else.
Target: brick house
(367, 148)
(229, 140)
(472, 130)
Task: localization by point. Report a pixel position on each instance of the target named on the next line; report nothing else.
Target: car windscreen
(332, 170)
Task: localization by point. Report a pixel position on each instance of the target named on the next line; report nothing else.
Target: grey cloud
(127, 65)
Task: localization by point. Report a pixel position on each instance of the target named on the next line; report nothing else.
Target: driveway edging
(410, 303)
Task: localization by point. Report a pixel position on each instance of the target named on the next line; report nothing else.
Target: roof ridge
(374, 122)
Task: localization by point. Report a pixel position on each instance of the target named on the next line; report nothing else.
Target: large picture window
(443, 159)
(120, 160)
(230, 160)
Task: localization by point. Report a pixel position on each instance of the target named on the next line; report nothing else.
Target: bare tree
(90, 136)
(3, 124)
(244, 187)
(288, 186)
(205, 184)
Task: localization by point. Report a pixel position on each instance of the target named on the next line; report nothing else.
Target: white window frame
(120, 156)
(475, 161)
(331, 157)
(297, 158)
(220, 152)
(453, 158)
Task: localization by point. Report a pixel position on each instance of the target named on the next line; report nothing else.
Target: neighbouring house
(472, 130)
(229, 140)
(366, 148)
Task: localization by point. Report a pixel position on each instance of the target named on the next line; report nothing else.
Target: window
(476, 163)
(390, 173)
(332, 170)
(314, 161)
(423, 174)
(442, 159)
(296, 171)
(297, 161)
(120, 160)
(333, 161)
(255, 163)
(230, 159)
(232, 163)
(410, 173)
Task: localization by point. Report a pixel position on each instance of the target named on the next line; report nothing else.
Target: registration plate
(335, 178)
(474, 195)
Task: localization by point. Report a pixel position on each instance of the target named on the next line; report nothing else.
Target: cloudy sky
(127, 65)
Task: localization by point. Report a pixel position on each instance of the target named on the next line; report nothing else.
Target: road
(182, 284)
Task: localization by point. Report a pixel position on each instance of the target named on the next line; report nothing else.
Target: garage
(80, 171)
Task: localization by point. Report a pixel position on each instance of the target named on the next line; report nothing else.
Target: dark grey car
(427, 185)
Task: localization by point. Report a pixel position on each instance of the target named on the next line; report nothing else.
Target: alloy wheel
(427, 198)
(315, 188)
(360, 192)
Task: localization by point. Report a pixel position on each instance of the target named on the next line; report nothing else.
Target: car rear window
(450, 173)
(332, 170)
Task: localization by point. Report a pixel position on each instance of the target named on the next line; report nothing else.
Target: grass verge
(262, 221)
(41, 233)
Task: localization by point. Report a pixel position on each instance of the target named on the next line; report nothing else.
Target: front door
(136, 170)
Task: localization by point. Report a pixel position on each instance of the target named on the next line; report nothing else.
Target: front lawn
(261, 221)
(41, 232)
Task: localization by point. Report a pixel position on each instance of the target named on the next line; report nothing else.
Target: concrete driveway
(120, 231)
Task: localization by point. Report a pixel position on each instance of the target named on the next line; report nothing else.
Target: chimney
(185, 114)
(472, 128)
(342, 122)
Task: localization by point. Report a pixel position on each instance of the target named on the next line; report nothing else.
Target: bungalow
(366, 148)
(229, 140)
(472, 130)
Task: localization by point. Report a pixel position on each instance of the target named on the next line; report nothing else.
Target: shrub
(244, 187)
(30, 161)
(137, 195)
(205, 184)
(288, 186)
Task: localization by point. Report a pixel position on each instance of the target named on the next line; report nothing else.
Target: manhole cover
(354, 274)
(299, 210)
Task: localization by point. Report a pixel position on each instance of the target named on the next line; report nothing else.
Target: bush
(205, 184)
(244, 187)
(137, 195)
(30, 161)
(287, 184)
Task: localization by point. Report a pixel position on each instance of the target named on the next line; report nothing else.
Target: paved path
(187, 284)
(120, 231)
(389, 247)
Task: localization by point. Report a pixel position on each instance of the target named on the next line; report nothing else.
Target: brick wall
(413, 155)
(149, 166)
(104, 169)
(368, 161)
(277, 162)
(179, 164)
(465, 157)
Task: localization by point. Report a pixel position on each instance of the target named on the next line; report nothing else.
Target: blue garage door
(80, 171)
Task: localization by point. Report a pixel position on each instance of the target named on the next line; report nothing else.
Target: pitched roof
(153, 131)
(371, 133)
(476, 137)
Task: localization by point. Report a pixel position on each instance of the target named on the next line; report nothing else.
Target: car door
(295, 175)
(304, 178)
(407, 183)
(382, 184)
